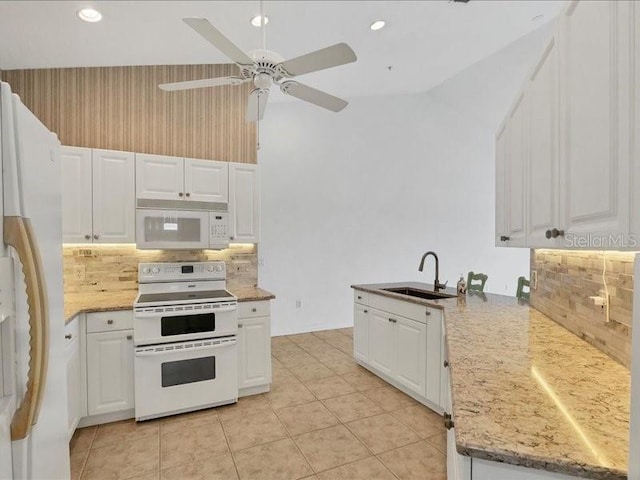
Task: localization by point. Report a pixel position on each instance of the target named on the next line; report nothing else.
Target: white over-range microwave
(181, 224)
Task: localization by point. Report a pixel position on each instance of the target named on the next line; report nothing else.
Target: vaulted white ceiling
(424, 42)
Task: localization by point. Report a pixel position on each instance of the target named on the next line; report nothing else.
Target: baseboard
(245, 392)
(106, 418)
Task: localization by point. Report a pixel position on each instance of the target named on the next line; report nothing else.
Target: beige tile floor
(325, 418)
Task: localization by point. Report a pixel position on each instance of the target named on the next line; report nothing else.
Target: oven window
(188, 371)
(171, 229)
(183, 324)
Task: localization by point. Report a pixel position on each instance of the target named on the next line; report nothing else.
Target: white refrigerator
(634, 445)
(33, 384)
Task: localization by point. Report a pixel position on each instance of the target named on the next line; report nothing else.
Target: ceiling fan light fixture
(377, 25)
(89, 14)
(257, 20)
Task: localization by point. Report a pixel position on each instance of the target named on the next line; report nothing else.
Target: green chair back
(520, 293)
(477, 277)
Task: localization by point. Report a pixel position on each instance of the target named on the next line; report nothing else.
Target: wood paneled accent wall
(566, 280)
(122, 108)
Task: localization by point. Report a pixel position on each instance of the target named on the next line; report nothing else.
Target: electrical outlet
(534, 279)
(241, 266)
(79, 272)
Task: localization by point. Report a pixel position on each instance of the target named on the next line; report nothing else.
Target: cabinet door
(244, 202)
(543, 169)
(206, 180)
(410, 352)
(381, 341)
(159, 177)
(254, 351)
(74, 393)
(110, 371)
(501, 183)
(595, 99)
(114, 200)
(360, 332)
(515, 164)
(76, 195)
(434, 360)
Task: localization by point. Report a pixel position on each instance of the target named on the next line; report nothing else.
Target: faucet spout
(436, 284)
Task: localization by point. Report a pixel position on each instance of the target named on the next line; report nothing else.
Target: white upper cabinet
(515, 164)
(98, 196)
(596, 57)
(159, 177)
(580, 109)
(175, 178)
(76, 195)
(113, 197)
(542, 171)
(206, 180)
(244, 202)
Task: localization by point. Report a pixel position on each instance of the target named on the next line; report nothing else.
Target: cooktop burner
(168, 297)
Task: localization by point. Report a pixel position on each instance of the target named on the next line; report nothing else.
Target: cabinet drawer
(361, 297)
(419, 313)
(254, 309)
(71, 332)
(109, 321)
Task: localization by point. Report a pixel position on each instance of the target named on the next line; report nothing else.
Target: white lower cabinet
(77, 408)
(410, 351)
(402, 343)
(110, 355)
(110, 371)
(254, 348)
(361, 332)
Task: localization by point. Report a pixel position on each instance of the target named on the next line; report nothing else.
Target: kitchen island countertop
(528, 392)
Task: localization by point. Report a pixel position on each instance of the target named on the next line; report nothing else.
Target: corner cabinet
(254, 348)
(244, 202)
(98, 196)
(400, 342)
(576, 130)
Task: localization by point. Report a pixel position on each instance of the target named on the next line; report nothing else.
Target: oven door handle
(155, 353)
(187, 312)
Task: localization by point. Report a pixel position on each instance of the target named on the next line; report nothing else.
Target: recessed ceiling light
(537, 17)
(377, 25)
(257, 20)
(90, 15)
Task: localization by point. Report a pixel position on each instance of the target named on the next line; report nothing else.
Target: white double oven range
(185, 326)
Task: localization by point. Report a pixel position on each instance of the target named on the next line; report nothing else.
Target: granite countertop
(528, 392)
(76, 303)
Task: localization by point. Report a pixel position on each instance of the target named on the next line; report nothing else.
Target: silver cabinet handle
(180, 194)
(96, 236)
(240, 326)
(188, 194)
(231, 237)
(427, 312)
(109, 322)
(392, 320)
(129, 337)
(504, 238)
(359, 297)
(366, 311)
(87, 237)
(68, 336)
(254, 310)
(446, 364)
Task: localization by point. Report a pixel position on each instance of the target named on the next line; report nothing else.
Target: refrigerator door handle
(18, 234)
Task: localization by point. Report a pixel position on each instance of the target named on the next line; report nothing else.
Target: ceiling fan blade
(311, 95)
(218, 40)
(256, 105)
(205, 82)
(338, 54)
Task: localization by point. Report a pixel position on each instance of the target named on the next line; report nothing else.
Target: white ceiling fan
(265, 68)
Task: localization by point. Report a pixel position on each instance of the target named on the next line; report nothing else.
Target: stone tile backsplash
(566, 280)
(108, 268)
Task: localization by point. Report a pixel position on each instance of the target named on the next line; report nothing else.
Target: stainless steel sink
(414, 292)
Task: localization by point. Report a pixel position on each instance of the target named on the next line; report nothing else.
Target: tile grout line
(233, 457)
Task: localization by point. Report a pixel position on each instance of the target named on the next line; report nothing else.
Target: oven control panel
(182, 271)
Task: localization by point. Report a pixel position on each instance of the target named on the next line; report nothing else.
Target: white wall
(359, 196)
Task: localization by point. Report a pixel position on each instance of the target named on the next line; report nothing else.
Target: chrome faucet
(436, 284)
